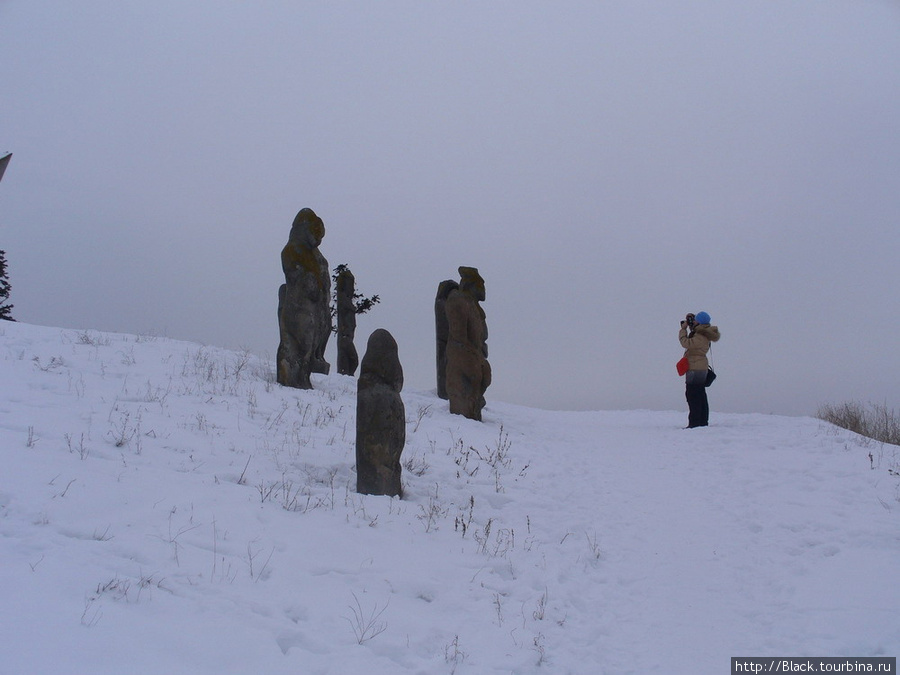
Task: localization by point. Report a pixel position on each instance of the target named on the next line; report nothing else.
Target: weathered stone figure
(347, 357)
(304, 317)
(380, 418)
(468, 370)
(441, 331)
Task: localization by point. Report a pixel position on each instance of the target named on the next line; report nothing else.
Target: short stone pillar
(347, 356)
(380, 418)
(442, 330)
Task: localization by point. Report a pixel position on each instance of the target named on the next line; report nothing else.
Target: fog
(607, 167)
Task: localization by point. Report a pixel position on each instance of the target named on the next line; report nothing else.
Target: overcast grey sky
(608, 167)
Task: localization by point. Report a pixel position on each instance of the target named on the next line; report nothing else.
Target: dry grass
(875, 421)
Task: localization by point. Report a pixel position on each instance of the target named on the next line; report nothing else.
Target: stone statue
(468, 370)
(380, 418)
(347, 357)
(441, 331)
(304, 317)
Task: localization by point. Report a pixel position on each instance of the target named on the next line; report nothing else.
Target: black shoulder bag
(710, 373)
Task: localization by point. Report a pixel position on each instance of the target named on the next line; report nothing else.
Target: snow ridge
(166, 507)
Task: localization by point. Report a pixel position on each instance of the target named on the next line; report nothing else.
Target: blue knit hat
(701, 318)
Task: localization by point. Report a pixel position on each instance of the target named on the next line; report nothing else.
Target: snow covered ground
(166, 508)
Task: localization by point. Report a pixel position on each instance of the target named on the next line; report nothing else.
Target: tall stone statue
(468, 370)
(380, 418)
(347, 357)
(304, 317)
(441, 331)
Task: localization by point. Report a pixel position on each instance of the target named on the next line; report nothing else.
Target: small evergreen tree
(5, 307)
(361, 303)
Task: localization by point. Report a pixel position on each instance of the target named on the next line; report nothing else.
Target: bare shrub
(454, 655)
(366, 625)
(92, 339)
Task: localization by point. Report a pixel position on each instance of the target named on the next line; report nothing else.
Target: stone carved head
(307, 229)
(471, 282)
(381, 362)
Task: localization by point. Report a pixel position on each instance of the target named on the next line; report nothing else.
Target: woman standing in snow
(696, 345)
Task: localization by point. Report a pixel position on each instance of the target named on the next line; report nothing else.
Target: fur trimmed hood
(708, 331)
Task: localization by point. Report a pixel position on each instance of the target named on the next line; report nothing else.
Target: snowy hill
(166, 508)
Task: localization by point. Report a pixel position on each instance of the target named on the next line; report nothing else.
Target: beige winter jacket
(696, 345)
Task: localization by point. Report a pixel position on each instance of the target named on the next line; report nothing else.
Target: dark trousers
(698, 405)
